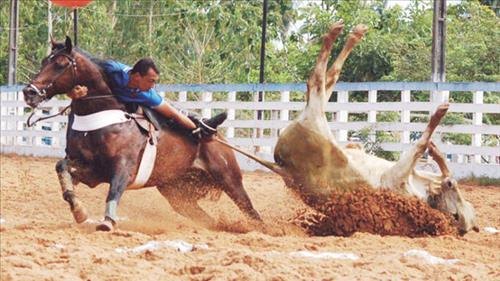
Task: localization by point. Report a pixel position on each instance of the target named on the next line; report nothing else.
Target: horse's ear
(52, 42)
(69, 45)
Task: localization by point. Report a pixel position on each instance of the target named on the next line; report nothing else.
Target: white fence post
(206, 112)
(3, 123)
(477, 121)
(439, 97)
(19, 112)
(182, 97)
(32, 140)
(257, 132)
(54, 128)
(231, 114)
(342, 97)
(285, 98)
(372, 114)
(405, 116)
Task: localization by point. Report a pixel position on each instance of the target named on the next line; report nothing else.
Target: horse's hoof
(79, 213)
(106, 225)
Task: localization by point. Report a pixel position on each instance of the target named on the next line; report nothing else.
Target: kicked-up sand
(40, 241)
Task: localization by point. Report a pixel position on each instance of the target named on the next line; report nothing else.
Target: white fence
(382, 103)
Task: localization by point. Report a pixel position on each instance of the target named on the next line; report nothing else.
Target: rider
(136, 85)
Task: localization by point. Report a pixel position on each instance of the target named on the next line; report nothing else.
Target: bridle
(42, 93)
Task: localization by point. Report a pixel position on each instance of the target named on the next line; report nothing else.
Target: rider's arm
(169, 111)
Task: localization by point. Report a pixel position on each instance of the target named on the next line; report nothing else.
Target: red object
(71, 3)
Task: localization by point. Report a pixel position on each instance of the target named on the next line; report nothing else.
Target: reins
(62, 111)
(46, 117)
(43, 92)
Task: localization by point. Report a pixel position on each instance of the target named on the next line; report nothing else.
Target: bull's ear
(52, 42)
(69, 45)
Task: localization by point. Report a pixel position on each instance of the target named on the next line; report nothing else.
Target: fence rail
(388, 112)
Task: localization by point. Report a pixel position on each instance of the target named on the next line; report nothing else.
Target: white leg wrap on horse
(111, 210)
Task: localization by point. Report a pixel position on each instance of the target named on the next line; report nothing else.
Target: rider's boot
(207, 126)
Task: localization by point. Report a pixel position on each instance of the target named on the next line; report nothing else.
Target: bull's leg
(321, 82)
(119, 182)
(396, 176)
(315, 95)
(186, 205)
(67, 188)
(334, 72)
(438, 156)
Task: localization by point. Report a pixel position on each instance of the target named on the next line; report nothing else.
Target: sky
(390, 3)
(404, 3)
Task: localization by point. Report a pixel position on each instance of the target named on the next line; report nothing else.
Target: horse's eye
(59, 65)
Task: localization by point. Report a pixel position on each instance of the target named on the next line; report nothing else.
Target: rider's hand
(203, 130)
(78, 92)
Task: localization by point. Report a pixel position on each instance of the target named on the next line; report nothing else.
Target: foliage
(372, 143)
(218, 41)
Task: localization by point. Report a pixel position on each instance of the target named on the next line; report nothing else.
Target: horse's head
(451, 201)
(57, 75)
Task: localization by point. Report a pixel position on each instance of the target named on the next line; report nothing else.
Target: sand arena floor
(40, 241)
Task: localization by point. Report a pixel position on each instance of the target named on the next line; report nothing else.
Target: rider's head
(144, 74)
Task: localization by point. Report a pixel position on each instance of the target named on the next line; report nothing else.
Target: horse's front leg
(119, 182)
(67, 187)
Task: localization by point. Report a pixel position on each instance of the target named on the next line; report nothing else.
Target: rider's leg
(207, 126)
(190, 121)
(171, 112)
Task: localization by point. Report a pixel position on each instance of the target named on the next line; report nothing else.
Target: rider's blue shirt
(119, 75)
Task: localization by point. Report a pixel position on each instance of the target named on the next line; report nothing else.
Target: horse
(185, 170)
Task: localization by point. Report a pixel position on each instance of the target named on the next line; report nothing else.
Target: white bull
(313, 164)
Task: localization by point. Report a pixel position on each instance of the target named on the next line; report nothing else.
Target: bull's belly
(370, 167)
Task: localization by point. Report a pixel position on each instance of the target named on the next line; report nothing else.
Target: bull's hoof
(106, 225)
(441, 111)
(337, 27)
(79, 213)
(359, 30)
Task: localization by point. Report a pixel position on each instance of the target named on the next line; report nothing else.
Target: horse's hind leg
(397, 174)
(186, 205)
(67, 187)
(225, 170)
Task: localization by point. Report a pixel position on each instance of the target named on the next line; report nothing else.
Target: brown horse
(186, 170)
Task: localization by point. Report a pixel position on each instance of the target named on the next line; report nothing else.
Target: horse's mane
(97, 61)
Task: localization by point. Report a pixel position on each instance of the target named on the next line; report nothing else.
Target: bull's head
(451, 201)
(57, 75)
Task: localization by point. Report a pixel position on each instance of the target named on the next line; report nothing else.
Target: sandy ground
(40, 241)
